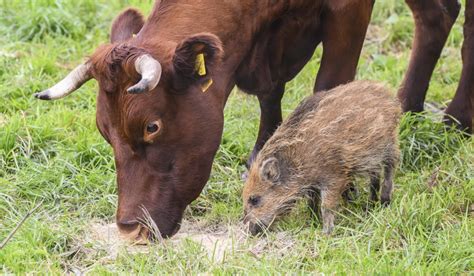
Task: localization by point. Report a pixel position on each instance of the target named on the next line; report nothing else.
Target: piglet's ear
(195, 59)
(270, 170)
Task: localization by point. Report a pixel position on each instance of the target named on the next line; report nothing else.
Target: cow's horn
(80, 75)
(150, 69)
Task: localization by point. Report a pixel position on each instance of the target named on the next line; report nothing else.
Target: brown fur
(329, 139)
(340, 4)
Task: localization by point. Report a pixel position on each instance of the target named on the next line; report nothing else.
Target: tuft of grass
(424, 141)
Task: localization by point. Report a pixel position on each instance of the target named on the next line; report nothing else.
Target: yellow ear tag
(206, 86)
(134, 35)
(200, 65)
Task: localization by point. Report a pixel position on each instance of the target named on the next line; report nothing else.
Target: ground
(51, 152)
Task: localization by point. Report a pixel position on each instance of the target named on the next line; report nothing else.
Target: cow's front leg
(461, 108)
(343, 37)
(433, 20)
(270, 118)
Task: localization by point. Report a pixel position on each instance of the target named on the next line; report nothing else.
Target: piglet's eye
(254, 200)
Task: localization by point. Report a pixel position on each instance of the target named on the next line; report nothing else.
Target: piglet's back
(354, 112)
(350, 124)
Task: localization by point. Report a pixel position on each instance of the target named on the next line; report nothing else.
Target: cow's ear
(126, 25)
(195, 60)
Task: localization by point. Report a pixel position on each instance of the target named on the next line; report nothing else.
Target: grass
(52, 152)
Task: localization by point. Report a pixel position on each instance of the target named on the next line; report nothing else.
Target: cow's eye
(152, 128)
(152, 131)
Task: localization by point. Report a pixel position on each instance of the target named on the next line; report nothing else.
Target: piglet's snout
(255, 228)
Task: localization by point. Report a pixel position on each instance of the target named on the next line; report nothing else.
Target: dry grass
(216, 241)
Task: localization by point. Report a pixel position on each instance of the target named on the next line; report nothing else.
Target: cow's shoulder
(337, 5)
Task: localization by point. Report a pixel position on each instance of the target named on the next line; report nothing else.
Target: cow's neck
(236, 22)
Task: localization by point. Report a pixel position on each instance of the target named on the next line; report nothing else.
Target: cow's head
(152, 110)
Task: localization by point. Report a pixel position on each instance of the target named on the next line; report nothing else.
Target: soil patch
(218, 241)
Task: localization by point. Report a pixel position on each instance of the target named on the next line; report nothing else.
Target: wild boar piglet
(331, 137)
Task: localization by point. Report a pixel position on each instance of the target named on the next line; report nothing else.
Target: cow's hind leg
(462, 106)
(434, 20)
(270, 118)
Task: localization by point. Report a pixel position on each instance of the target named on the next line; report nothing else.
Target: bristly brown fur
(330, 138)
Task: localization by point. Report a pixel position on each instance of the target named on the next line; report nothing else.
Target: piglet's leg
(386, 196)
(374, 187)
(329, 202)
(314, 202)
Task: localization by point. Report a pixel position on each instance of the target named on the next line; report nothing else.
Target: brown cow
(434, 20)
(162, 92)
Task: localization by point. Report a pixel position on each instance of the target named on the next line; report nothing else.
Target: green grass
(52, 152)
